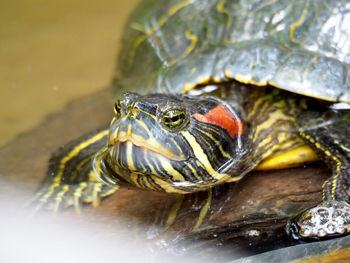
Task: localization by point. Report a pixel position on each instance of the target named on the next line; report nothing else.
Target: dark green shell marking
(300, 46)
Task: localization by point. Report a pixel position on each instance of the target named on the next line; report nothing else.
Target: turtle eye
(117, 109)
(174, 118)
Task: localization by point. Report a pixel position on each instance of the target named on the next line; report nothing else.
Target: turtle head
(174, 143)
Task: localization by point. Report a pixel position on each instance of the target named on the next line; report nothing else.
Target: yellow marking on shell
(204, 210)
(248, 79)
(193, 70)
(217, 79)
(74, 152)
(173, 10)
(137, 42)
(244, 78)
(221, 9)
(203, 80)
(260, 82)
(174, 210)
(254, 12)
(247, 25)
(295, 25)
(194, 39)
(228, 74)
(203, 158)
(306, 72)
(271, 2)
(187, 87)
(271, 83)
(291, 158)
(162, 20)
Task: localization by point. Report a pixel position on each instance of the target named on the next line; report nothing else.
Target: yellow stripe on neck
(203, 158)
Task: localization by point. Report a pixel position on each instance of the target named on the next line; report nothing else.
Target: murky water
(52, 52)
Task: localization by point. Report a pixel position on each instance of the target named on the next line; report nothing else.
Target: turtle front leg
(77, 173)
(329, 135)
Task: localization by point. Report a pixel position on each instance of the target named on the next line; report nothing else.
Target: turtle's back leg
(329, 135)
(76, 172)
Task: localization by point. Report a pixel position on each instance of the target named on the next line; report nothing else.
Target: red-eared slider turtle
(227, 86)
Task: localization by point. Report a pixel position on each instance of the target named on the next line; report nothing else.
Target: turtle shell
(299, 46)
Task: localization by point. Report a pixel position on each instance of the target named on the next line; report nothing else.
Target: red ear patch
(222, 117)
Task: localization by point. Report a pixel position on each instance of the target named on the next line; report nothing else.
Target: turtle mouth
(148, 146)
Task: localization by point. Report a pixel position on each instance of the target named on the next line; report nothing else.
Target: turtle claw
(328, 219)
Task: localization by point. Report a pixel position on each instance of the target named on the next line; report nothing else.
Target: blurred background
(52, 52)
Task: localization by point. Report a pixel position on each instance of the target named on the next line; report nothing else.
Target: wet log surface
(243, 219)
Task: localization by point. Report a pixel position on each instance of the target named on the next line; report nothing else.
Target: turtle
(214, 89)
